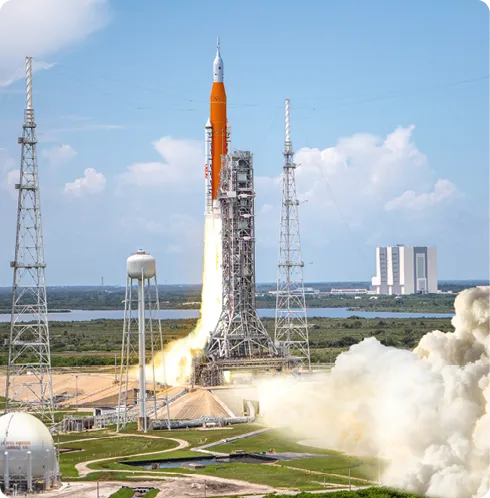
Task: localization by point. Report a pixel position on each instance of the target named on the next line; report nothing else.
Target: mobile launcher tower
(240, 340)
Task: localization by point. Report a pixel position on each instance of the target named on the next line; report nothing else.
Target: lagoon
(87, 315)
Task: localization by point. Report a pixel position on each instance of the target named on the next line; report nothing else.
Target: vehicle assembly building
(402, 270)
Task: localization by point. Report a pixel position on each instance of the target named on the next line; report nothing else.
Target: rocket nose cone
(218, 66)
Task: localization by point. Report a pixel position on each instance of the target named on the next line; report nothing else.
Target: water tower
(141, 378)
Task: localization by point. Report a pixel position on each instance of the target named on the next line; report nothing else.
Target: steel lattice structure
(239, 332)
(291, 324)
(131, 344)
(29, 347)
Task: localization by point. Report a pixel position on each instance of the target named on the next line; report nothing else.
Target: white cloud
(91, 183)
(363, 173)
(40, 28)
(9, 174)
(444, 190)
(59, 154)
(353, 189)
(182, 165)
(363, 169)
(9, 180)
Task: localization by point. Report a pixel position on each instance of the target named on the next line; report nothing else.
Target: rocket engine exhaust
(179, 354)
(425, 411)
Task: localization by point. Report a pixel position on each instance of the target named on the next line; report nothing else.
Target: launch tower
(291, 326)
(239, 332)
(29, 384)
(239, 341)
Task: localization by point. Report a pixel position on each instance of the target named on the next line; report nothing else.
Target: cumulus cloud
(182, 165)
(9, 174)
(444, 190)
(40, 28)
(9, 180)
(59, 154)
(350, 189)
(91, 183)
(364, 168)
(357, 180)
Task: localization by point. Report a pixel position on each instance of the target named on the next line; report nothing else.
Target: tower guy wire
(291, 324)
(29, 383)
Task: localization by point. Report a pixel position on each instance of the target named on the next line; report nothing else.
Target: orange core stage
(218, 142)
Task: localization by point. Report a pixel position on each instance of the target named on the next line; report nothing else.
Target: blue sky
(389, 119)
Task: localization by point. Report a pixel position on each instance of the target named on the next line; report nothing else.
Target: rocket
(217, 134)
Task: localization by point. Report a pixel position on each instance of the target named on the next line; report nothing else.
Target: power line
(312, 107)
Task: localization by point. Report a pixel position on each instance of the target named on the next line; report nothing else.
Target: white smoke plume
(426, 411)
(179, 354)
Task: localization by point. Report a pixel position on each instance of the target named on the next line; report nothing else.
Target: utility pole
(291, 325)
(76, 392)
(29, 363)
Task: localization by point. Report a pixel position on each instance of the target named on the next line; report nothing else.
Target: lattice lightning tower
(291, 326)
(29, 384)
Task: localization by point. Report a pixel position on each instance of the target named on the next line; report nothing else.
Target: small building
(347, 292)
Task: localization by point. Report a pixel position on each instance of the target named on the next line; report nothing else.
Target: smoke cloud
(179, 354)
(425, 411)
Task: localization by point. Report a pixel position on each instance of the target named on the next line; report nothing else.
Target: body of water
(179, 462)
(86, 315)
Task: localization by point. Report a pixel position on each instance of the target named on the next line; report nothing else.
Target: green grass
(197, 437)
(152, 493)
(123, 493)
(83, 436)
(269, 475)
(107, 448)
(279, 440)
(364, 468)
(194, 437)
(278, 475)
(98, 342)
(360, 493)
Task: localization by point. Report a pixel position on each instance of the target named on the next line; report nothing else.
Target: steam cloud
(426, 411)
(179, 354)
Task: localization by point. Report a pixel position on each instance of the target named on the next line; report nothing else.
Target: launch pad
(208, 372)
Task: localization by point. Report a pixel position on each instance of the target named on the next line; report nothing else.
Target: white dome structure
(141, 265)
(27, 452)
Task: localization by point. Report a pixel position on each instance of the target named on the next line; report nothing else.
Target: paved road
(83, 467)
